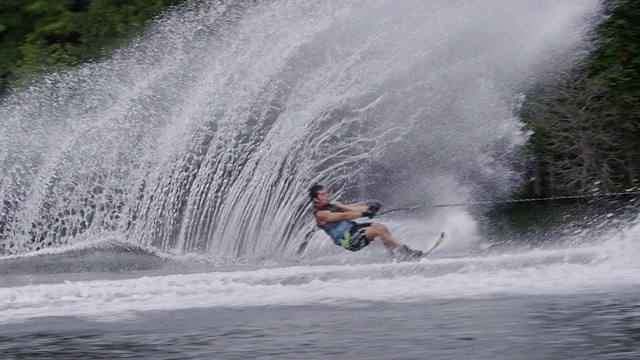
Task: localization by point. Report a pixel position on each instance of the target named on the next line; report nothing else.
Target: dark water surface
(594, 326)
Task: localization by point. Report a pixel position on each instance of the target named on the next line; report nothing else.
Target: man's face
(322, 199)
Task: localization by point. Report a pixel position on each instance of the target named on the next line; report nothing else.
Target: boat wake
(94, 256)
(608, 266)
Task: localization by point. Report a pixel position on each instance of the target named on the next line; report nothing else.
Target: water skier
(336, 219)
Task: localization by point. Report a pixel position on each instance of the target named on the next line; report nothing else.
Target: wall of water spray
(204, 135)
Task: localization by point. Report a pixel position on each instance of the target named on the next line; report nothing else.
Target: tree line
(39, 36)
(586, 124)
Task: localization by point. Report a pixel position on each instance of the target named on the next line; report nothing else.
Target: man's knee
(379, 228)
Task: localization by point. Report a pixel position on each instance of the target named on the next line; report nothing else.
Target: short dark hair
(313, 191)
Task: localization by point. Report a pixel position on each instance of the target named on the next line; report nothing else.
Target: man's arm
(345, 207)
(325, 216)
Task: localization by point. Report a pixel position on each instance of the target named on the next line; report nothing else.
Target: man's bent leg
(381, 231)
(377, 229)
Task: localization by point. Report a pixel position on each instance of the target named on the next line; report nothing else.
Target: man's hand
(374, 207)
(368, 214)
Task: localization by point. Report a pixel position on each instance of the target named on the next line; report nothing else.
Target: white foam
(563, 271)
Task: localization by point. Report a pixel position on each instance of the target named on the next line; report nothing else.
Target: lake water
(569, 303)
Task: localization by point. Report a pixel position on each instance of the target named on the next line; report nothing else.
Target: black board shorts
(354, 238)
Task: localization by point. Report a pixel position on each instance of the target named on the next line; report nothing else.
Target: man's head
(319, 195)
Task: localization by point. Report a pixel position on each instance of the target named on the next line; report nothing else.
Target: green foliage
(616, 67)
(586, 126)
(39, 36)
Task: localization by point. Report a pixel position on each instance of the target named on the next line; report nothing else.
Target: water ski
(438, 242)
(417, 255)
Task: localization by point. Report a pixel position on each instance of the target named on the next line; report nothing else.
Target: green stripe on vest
(345, 240)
